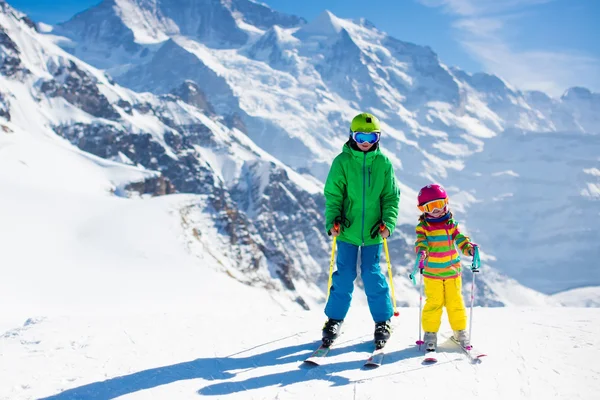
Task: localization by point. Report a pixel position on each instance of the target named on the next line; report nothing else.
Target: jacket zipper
(362, 231)
(369, 176)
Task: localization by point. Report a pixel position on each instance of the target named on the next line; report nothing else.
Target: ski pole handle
(382, 229)
(335, 230)
(476, 260)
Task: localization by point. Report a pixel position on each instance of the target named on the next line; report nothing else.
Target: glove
(472, 249)
(422, 258)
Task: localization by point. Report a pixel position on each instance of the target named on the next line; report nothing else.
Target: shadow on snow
(217, 369)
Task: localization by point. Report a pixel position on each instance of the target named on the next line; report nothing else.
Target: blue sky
(548, 45)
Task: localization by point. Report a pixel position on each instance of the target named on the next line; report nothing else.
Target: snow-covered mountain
(49, 96)
(260, 220)
(580, 297)
(299, 83)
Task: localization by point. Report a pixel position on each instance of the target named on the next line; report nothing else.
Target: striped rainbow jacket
(439, 240)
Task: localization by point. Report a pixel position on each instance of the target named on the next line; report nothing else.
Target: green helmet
(365, 122)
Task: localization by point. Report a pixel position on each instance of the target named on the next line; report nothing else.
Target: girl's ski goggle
(368, 137)
(434, 205)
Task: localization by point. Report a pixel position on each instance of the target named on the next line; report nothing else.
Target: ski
(376, 358)
(317, 356)
(430, 357)
(472, 354)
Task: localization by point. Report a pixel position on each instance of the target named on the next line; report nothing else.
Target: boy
(361, 195)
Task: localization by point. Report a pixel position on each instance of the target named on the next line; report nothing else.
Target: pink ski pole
(421, 266)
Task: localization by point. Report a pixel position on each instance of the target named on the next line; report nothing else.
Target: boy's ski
(472, 354)
(318, 355)
(375, 359)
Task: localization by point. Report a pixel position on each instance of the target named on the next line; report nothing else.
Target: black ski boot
(331, 330)
(383, 330)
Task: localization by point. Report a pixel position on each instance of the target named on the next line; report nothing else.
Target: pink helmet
(430, 193)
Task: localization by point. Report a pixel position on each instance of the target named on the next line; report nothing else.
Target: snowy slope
(581, 297)
(46, 93)
(549, 353)
(301, 83)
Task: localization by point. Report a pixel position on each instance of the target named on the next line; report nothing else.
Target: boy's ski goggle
(366, 137)
(434, 205)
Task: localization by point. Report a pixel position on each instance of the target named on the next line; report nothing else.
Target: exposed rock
(189, 92)
(10, 61)
(4, 107)
(125, 106)
(158, 186)
(81, 90)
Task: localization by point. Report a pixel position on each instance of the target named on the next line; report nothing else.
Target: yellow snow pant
(440, 293)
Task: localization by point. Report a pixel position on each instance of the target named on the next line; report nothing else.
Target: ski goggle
(434, 205)
(366, 137)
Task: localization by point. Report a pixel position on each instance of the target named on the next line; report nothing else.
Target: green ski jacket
(360, 192)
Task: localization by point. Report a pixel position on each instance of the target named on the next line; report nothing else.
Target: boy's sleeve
(463, 242)
(335, 188)
(390, 198)
(421, 244)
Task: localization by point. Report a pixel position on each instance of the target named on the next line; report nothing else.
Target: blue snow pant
(376, 286)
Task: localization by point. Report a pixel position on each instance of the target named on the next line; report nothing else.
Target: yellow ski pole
(389, 265)
(336, 227)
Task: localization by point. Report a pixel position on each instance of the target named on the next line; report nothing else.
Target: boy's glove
(335, 231)
(339, 223)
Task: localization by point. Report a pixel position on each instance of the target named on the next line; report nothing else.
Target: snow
(105, 296)
(144, 23)
(580, 297)
(45, 28)
(108, 300)
(536, 204)
(546, 353)
(592, 171)
(325, 25)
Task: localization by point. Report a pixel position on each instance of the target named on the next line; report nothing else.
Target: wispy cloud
(487, 30)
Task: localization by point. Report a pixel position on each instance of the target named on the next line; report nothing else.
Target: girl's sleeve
(463, 242)
(335, 187)
(421, 244)
(390, 198)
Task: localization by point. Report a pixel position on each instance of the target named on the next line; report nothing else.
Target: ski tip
(311, 363)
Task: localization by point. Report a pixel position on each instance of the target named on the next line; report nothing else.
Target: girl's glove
(472, 249)
(422, 258)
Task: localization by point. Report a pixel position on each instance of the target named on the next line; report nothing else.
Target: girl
(437, 237)
(361, 194)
